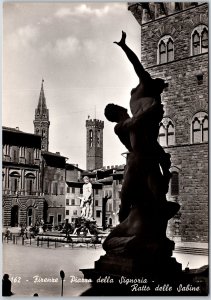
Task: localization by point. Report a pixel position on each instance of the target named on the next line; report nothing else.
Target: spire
(41, 121)
(42, 102)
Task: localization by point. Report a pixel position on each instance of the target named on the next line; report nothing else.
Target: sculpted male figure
(144, 210)
(143, 180)
(86, 200)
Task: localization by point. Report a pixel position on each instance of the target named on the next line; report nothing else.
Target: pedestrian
(26, 233)
(67, 230)
(22, 231)
(7, 233)
(6, 286)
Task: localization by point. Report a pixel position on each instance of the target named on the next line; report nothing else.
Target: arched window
(196, 43)
(170, 134)
(15, 155)
(160, 9)
(14, 182)
(98, 138)
(199, 40)
(90, 138)
(30, 156)
(165, 50)
(22, 152)
(174, 183)
(205, 129)
(196, 131)
(29, 183)
(43, 132)
(55, 188)
(162, 52)
(170, 50)
(162, 135)
(7, 150)
(204, 40)
(178, 6)
(199, 128)
(166, 133)
(46, 187)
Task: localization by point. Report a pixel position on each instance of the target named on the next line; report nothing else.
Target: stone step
(190, 250)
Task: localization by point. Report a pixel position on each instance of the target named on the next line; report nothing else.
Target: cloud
(67, 46)
(27, 33)
(90, 46)
(46, 20)
(23, 36)
(87, 10)
(83, 10)
(62, 48)
(63, 12)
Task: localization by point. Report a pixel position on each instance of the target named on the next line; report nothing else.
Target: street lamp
(62, 275)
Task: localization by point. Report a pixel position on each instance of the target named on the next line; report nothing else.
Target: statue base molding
(114, 276)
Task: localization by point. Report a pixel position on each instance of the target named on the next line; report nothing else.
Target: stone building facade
(174, 46)
(22, 198)
(53, 187)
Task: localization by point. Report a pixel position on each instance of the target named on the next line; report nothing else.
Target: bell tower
(41, 121)
(94, 142)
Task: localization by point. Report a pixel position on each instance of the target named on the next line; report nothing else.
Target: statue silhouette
(144, 210)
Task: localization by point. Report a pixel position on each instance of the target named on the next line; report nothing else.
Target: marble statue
(86, 200)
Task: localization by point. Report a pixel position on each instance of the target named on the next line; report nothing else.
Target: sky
(70, 46)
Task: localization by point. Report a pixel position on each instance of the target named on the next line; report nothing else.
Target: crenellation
(146, 12)
(95, 123)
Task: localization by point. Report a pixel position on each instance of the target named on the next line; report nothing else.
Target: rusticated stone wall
(184, 97)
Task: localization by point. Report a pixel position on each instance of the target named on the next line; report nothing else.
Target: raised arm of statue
(139, 69)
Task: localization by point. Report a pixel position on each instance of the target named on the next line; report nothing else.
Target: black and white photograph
(105, 149)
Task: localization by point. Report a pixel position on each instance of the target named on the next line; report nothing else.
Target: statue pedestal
(121, 277)
(128, 266)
